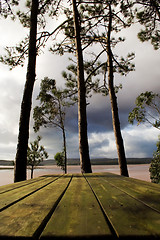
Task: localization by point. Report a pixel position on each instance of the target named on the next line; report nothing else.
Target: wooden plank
(10, 187)
(149, 193)
(154, 186)
(11, 197)
(26, 218)
(78, 215)
(131, 218)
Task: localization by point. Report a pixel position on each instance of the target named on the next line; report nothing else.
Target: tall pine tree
(21, 155)
(82, 115)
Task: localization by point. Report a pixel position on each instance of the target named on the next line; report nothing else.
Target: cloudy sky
(139, 141)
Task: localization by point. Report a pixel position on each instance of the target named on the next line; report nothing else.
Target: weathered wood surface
(71, 206)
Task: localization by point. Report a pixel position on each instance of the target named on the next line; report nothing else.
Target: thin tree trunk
(114, 105)
(64, 134)
(82, 115)
(32, 168)
(21, 155)
(65, 152)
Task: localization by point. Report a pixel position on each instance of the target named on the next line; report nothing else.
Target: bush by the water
(59, 158)
(155, 165)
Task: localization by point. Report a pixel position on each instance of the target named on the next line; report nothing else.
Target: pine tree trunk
(21, 155)
(114, 105)
(82, 115)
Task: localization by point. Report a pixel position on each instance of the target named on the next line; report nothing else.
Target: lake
(139, 171)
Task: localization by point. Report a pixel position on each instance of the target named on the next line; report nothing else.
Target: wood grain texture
(24, 218)
(78, 215)
(80, 206)
(130, 217)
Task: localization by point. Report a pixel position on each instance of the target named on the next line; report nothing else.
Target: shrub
(155, 165)
(59, 158)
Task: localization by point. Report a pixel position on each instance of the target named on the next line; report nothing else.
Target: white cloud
(102, 145)
(140, 141)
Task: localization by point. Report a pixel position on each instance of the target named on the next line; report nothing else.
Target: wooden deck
(101, 206)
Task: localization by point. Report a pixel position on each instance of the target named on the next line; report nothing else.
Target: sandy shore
(140, 171)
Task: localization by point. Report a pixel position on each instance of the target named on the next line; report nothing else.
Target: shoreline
(138, 171)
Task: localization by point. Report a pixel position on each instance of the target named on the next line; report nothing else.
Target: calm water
(135, 171)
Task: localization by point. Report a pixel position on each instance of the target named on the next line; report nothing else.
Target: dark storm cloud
(147, 147)
(99, 120)
(71, 120)
(98, 116)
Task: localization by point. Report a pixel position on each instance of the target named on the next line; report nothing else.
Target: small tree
(52, 109)
(60, 160)
(35, 154)
(155, 165)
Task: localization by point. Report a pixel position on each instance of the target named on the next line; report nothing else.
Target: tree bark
(114, 105)
(21, 155)
(82, 115)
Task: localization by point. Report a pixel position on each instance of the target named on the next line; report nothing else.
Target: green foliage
(93, 19)
(70, 76)
(52, 108)
(97, 34)
(60, 160)
(35, 154)
(46, 7)
(155, 165)
(136, 114)
(148, 15)
(6, 8)
(16, 55)
(147, 109)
